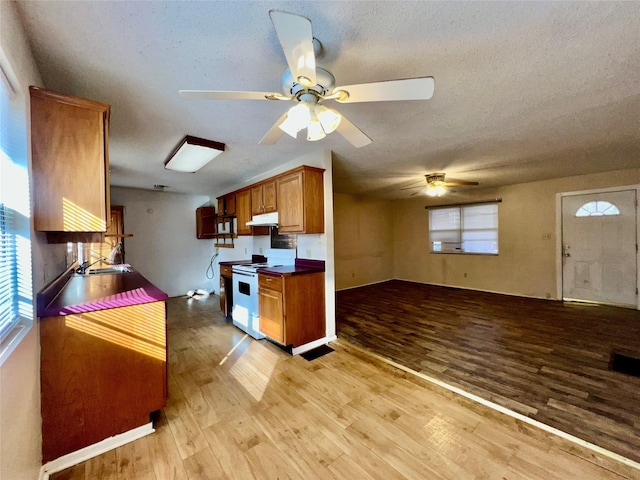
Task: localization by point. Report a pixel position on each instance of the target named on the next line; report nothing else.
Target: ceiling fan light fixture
(329, 118)
(289, 127)
(436, 190)
(193, 153)
(315, 131)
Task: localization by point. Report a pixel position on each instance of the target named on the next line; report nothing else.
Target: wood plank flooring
(544, 359)
(245, 409)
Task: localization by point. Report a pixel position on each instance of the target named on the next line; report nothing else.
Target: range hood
(264, 220)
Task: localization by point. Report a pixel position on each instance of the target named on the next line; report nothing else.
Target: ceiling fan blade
(409, 89)
(296, 38)
(459, 183)
(274, 133)
(353, 134)
(228, 95)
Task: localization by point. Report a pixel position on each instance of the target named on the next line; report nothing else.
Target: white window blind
(16, 297)
(464, 229)
(9, 316)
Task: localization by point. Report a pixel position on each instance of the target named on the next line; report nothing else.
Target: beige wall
(20, 421)
(526, 264)
(364, 240)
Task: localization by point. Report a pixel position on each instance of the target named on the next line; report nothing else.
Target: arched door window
(597, 209)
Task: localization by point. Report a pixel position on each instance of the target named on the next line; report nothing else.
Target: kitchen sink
(115, 269)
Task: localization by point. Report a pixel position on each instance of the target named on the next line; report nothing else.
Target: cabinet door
(70, 163)
(271, 314)
(206, 222)
(230, 204)
(257, 205)
(243, 211)
(290, 203)
(269, 198)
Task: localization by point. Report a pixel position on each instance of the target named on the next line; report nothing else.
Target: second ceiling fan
(310, 86)
(437, 186)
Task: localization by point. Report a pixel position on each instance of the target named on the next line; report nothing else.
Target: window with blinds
(469, 228)
(9, 316)
(16, 297)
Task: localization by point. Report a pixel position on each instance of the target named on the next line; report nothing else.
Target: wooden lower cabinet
(292, 307)
(226, 290)
(101, 373)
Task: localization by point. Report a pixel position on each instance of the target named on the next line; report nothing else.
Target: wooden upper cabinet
(206, 222)
(263, 198)
(300, 194)
(69, 142)
(243, 211)
(227, 205)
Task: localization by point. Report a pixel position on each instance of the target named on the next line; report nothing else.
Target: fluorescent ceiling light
(192, 154)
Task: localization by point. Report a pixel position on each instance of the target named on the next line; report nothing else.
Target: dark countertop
(72, 293)
(301, 267)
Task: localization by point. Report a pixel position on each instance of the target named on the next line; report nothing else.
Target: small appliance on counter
(245, 313)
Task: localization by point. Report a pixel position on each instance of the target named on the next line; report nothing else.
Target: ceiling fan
(437, 186)
(310, 85)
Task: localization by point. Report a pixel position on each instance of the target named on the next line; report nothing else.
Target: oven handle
(245, 274)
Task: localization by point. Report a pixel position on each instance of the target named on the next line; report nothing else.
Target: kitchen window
(16, 297)
(469, 228)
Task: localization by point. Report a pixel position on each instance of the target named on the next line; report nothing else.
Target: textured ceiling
(524, 90)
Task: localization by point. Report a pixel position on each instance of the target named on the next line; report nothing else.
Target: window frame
(460, 208)
(16, 223)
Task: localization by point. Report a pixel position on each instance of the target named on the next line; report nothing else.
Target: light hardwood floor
(245, 409)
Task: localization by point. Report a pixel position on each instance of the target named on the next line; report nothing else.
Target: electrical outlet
(260, 251)
(308, 253)
(245, 250)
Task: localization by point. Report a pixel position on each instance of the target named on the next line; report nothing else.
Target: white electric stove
(245, 311)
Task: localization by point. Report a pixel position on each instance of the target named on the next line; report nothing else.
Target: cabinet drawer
(225, 271)
(270, 282)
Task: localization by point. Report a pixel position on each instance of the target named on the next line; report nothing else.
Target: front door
(599, 247)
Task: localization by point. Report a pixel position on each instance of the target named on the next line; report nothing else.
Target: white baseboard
(366, 284)
(94, 450)
(476, 289)
(499, 408)
(308, 346)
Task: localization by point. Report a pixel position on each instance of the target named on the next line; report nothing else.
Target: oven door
(245, 298)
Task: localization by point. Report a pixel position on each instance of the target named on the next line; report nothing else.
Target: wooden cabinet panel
(227, 205)
(226, 290)
(271, 315)
(269, 197)
(256, 200)
(206, 225)
(102, 373)
(292, 307)
(230, 204)
(243, 211)
(263, 198)
(301, 201)
(69, 138)
(290, 214)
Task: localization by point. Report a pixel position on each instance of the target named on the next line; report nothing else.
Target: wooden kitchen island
(103, 367)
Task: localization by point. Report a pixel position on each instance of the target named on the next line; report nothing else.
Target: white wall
(316, 246)
(164, 247)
